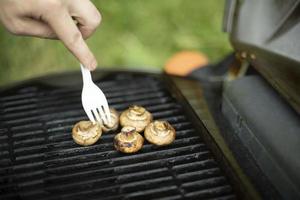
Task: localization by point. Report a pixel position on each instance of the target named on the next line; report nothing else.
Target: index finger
(63, 25)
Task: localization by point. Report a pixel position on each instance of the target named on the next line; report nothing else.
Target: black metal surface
(267, 33)
(39, 160)
(246, 111)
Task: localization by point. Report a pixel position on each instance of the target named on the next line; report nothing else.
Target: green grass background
(133, 33)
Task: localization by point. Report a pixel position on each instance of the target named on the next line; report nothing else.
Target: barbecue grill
(39, 159)
(236, 139)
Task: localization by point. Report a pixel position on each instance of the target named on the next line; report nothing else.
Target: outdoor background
(133, 33)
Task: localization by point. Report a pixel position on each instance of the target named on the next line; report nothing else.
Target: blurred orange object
(184, 62)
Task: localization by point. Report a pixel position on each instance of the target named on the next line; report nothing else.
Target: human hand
(54, 19)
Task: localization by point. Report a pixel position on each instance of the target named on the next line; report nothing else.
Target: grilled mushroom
(86, 133)
(129, 140)
(136, 116)
(113, 125)
(160, 133)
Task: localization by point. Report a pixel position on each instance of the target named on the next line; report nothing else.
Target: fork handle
(86, 75)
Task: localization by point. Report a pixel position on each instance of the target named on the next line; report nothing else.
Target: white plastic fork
(93, 99)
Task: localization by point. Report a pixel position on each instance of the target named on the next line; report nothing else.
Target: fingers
(53, 19)
(63, 26)
(87, 16)
(32, 27)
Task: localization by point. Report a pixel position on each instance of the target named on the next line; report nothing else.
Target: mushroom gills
(128, 140)
(114, 124)
(136, 116)
(86, 133)
(160, 133)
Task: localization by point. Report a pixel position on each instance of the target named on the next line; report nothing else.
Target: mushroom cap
(114, 121)
(86, 133)
(128, 140)
(136, 116)
(160, 133)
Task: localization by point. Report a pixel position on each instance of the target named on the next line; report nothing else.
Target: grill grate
(40, 160)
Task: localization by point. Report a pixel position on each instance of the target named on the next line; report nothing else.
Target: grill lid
(267, 34)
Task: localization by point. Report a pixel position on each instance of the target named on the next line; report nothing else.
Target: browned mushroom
(129, 140)
(136, 116)
(113, 125)
(160, 133)
(86, 133)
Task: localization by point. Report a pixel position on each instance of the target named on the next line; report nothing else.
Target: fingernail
(93, 65)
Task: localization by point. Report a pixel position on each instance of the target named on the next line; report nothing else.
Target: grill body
(39, 160)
